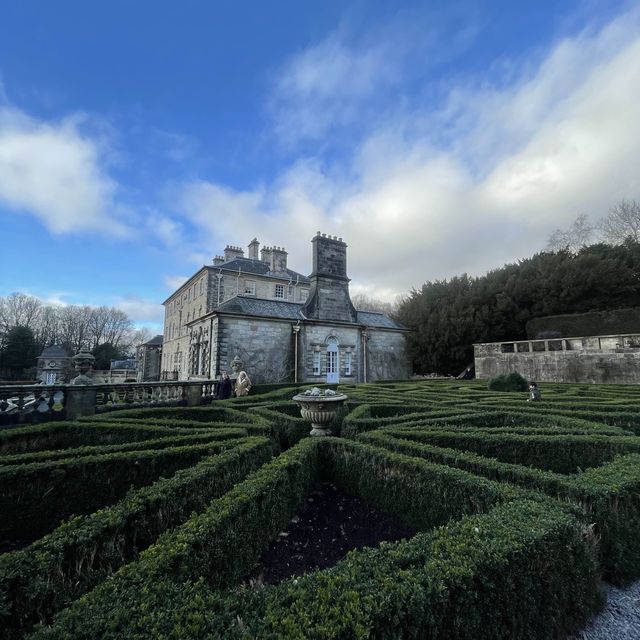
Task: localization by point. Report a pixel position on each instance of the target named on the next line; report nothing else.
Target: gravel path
(619, 620)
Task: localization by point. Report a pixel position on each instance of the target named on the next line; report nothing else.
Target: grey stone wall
(387, 357)
(315, 337)
(575, 360)
(265, 347)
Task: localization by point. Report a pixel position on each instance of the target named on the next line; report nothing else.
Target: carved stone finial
(83, 362)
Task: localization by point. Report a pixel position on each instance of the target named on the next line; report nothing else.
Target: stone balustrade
(36, 403)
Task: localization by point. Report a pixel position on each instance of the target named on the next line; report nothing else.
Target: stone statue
(242, 380)
(243, 384)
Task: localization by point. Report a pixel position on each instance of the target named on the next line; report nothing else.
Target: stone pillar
(193, 394)
(79, 401)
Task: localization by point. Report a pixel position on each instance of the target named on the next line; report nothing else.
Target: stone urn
(83, 362)
(319, 408)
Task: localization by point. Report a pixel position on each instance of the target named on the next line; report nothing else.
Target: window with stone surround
(347, 363)
(280, 291)
(303, 295)
(250, 287)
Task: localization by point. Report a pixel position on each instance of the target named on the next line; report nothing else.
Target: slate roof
(257, 267)
(54, 351)
(263, 308)
(378, 320)
(156, 340)
(259, 307)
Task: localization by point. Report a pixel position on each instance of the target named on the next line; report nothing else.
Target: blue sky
(137, 139)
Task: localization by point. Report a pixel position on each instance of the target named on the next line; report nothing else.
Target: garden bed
(329, 524)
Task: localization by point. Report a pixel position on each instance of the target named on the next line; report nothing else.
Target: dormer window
(303, 294)
(250, 287)
(280, 291)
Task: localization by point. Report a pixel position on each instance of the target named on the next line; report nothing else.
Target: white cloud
(175, 282)
(324, 86)
(140, 310)
(54, 172)
(519, 161)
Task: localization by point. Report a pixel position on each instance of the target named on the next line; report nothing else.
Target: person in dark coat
(226, 388)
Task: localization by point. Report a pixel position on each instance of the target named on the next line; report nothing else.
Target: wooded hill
(449, 316)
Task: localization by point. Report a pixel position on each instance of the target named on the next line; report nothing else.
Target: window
(347, 363)
(250, 287)
(279, 291)
(202, 286)
(316, 363)
(303, 295)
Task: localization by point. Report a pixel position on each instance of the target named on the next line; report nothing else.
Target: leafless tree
(576, 237)
(622, 222)
(19, 310)
(363, 302)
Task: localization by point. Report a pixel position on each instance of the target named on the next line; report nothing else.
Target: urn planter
(319, 410)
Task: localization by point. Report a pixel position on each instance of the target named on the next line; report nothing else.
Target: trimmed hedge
(173, 440)
(560, 453)
(223, 542)
(54, 571)
(422, 494)
(525, 570)
(258, 427)
(609, 495)
(206, 414)
(35, 497)
(61, 435)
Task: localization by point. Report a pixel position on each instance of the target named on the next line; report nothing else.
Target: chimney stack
(231, 253)
(254, 246)
(329, 294)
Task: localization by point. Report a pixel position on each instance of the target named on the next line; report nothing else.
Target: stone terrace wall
(593, 359)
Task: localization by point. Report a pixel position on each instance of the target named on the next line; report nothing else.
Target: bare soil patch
(329, 524)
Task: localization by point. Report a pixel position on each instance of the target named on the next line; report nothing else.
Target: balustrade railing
(36, 403)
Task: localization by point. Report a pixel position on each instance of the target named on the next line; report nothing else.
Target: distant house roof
(378, 320)
(257, 267)
(54, 351)
(156, 340)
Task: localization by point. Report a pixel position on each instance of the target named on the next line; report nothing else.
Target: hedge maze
(143, 523)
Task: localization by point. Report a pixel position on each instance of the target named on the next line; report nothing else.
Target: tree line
(28, 325)
(448, 316)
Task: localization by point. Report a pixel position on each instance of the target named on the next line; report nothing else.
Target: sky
(138, 139)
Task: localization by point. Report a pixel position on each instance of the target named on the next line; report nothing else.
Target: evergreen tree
(448, 317)
(18, 352)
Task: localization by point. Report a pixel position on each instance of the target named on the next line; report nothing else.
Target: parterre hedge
(521, 508)
(35, 497)
(530, 551)
(58, 568)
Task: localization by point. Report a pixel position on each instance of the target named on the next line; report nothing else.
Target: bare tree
(622, 222)
(363, 302)
(19, 310)
(576, 237)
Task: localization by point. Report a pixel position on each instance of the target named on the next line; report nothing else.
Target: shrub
(508, 382)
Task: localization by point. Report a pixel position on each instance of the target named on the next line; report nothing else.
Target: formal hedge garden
(145, 523)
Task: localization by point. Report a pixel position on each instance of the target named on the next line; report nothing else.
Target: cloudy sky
(138, 139)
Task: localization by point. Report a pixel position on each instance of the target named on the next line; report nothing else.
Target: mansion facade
(283, 325)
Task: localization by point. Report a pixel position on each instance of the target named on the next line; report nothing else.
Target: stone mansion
(284, 326)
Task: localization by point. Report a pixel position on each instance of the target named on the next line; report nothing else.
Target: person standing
(225, 389)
